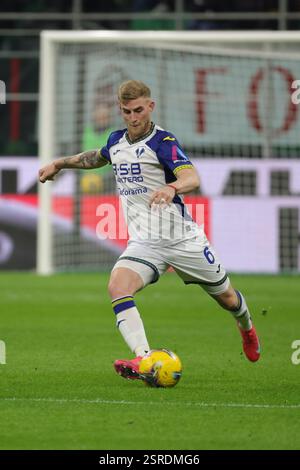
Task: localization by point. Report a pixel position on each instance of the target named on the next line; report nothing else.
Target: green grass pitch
(59, 390)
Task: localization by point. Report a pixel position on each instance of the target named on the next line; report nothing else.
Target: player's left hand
(163, 196)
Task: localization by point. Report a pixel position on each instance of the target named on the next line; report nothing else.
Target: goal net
(232, 102)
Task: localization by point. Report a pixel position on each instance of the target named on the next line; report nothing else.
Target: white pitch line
(99, 401)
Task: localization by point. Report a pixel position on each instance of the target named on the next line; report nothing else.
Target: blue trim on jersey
(170, 178)
(105, 154)
(157, 139)
(183, 209)
(168, 150)
(113, 139)
(169, 175)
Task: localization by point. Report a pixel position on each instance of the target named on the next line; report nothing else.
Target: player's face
(137, 116)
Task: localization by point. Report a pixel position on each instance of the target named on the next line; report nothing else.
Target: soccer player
(152, 173)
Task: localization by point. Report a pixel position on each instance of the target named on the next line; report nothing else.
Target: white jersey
(141, 167)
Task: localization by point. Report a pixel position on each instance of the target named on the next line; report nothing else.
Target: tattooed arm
(85, 161)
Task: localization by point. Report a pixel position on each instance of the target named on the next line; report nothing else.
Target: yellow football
(161, 368)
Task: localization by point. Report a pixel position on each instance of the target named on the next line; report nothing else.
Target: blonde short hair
(133, 89)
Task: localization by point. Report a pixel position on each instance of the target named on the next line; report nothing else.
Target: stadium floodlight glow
(223, 94)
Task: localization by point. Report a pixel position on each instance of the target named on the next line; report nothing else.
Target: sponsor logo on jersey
(169, 138)
(139, 151)
(130, 179)
(132, 191)
(177, 154)
(116, 151)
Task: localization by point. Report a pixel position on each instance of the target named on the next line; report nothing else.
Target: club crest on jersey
(139, 151)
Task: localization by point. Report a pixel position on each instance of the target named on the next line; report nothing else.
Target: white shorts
(194, 260)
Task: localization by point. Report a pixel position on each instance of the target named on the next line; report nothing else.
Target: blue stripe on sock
(236, 309)
(123, 306)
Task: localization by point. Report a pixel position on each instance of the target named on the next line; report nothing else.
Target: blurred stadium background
(232, 106)
(228, 100)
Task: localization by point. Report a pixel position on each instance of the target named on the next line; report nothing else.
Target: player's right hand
(48, 172)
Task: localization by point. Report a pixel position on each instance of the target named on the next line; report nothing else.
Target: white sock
(241, 313)
(130, 325)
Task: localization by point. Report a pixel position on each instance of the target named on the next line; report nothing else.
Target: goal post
(46, 153)
(227, 98)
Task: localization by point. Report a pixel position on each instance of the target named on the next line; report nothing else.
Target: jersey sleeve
(104, 153)
(171, 155)
(113, 139)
